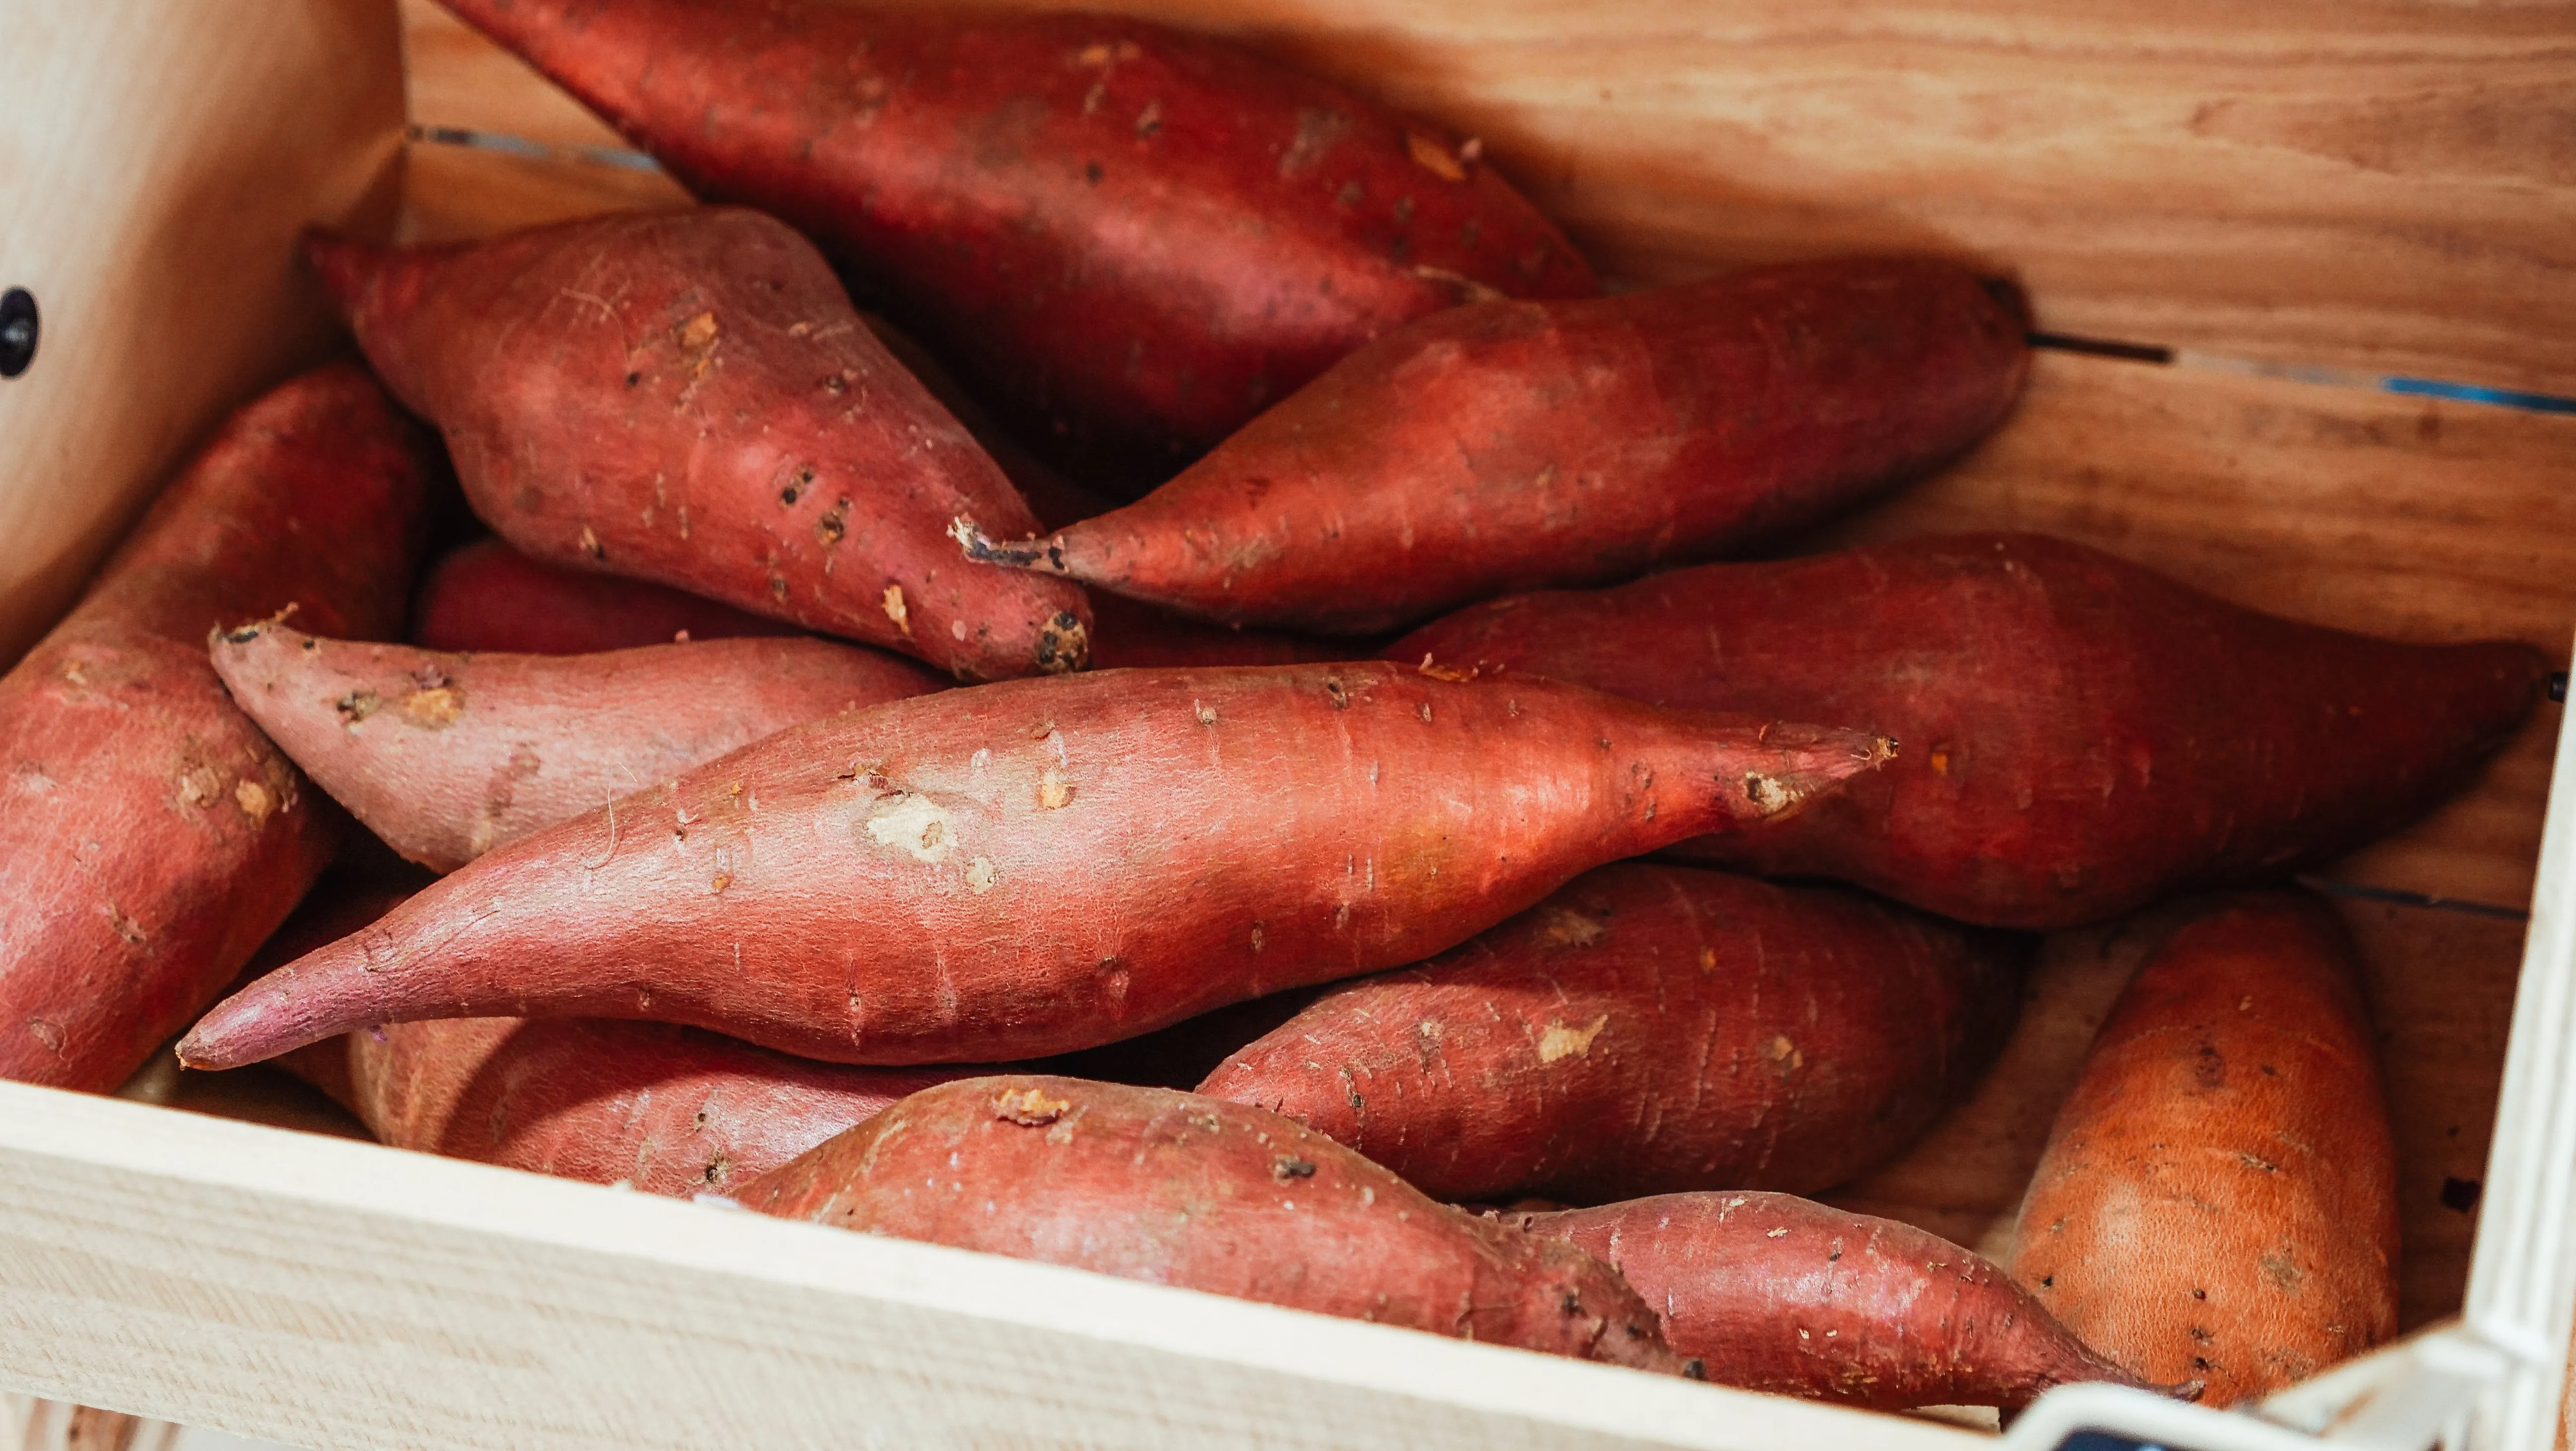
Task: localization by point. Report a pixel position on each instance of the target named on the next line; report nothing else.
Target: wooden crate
(2334, 190)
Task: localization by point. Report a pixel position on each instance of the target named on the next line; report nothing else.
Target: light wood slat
(460, 193)
(334, 1294)
(2380, 184)
(2441, 987)
(151, 206)
(2408, 517)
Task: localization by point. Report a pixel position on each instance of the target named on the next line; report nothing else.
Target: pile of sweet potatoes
(842, 810)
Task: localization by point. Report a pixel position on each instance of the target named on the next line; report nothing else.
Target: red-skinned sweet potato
(1513, 445)
(1770, 1292)
(488, 596)
(1151, 1184)
(153, 836)
(2218, 1199)
(1132, 234)
(1045, 865)
(666, 1110)
(687, 397)
(1647, 1029)
(1132, 635)
(446, 756)
(2082, 735)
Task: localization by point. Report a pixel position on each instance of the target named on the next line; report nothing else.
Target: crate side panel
(332, 1294)
(152, 209)
(2386, 185)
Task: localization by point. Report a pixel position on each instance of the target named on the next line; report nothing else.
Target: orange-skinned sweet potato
(1775, 1293)
(1152, 1184)
(446, 756)
(2082, 735)
(666, 1110)
(1045, 865)
(488, 596)
(1648, 1029)
(687, 397)
(153, 836)
(1135, 236)
(2218, 1199)
(1515, 445)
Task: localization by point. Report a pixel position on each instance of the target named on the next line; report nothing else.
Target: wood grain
(334, 1294)
(152, 208)
(461, 193)
(2378, 184)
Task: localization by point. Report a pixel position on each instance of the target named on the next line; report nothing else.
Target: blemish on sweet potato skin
(2198, 1218)
(1177, 1189)
(152, 835)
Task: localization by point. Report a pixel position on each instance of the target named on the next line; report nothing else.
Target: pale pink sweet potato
(2218, 1199)
(666, 1110)
(1775, 1293)
(687, 397)
(1045, 865)
(2082, 735)
(1134, 236)
(1514, 445)
(152, 835)
(488, 596)
(1176, 1189)
(1648, 1028)
(446, 756)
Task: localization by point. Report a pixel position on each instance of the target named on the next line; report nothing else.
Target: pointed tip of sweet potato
(261, 1021)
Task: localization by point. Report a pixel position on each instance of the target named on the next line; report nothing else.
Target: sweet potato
(488, 596)
(1511, 445)
(153, 836)
(1184, 1054)
(2082, 734)
(1648, 1028)
(1132, 635)
(1151, 1184)
(2218, 1199)
(1775, 1293)
(1049, 494)
(446, 756)
(1135, 236)
(1045, 865)
(666, 1110)
(687, 397)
